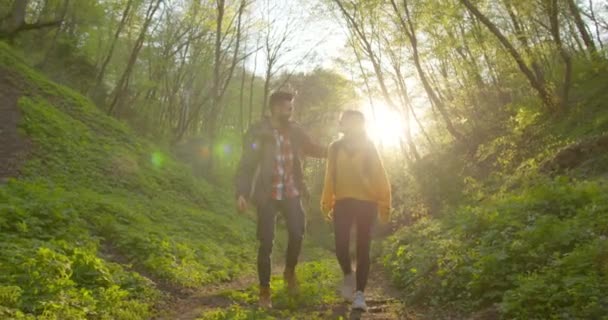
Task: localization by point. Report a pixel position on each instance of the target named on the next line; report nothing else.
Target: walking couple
(356, 191)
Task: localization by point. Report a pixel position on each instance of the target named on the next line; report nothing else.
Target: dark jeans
(296, 223)
(362, 214)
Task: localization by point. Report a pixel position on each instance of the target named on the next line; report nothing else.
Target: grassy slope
(522, 244)
(92, 192)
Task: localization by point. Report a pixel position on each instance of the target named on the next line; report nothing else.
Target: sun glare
(384, 125)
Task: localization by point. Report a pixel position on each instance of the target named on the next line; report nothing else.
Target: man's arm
(310, 147)
(247, 164)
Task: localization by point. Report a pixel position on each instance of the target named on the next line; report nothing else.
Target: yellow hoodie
(358, 174)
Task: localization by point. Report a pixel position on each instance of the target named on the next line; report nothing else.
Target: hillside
(121, 125)
(527, 234)
(96, 222)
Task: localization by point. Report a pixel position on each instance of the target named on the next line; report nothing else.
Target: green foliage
(539, 251)
(317, 280)
(98, 216)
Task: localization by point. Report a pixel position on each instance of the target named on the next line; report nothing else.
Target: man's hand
(241, 204)
(328, 213)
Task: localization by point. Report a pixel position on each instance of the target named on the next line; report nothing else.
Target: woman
(356, 191)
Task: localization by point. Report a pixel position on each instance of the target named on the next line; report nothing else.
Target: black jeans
(296, 223)
(363, 215)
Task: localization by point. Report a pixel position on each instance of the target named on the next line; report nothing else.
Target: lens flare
(157, 159)
(227, 149)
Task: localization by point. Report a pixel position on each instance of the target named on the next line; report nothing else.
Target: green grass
(91, 195)
(317, 294)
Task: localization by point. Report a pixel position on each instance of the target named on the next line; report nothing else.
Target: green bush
(538, 251)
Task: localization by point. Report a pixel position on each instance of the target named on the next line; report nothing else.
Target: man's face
(283, 110)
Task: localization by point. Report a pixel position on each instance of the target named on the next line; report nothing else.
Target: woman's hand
(384, 214)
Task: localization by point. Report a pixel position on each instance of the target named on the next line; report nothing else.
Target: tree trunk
(47, 55)
(540, 87)
(269, 66)
(221, 82)
(122, 85)
(17, 17)
(106, 61)
(411, 35)
(596, 23)
(242, 102)
(553, 19)
(251, 84)
(523, 40)
(580, 25)
(15, 22)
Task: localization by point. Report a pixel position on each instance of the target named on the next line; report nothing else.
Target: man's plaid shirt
(283, 185)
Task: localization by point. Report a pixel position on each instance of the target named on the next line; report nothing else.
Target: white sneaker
(359, 301)
(348, 287)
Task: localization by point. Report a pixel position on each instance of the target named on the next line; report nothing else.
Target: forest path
(237, 299)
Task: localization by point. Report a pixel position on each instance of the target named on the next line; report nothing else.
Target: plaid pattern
(283, 185)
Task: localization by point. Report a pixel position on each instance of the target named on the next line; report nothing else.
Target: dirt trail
(382, 300)
(193, 305)
(13, 146)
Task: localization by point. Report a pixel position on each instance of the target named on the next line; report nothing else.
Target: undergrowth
(539, 253)
(527, 243)
(99, 219)
(317, 293)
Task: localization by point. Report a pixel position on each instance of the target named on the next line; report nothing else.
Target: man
(270, 175)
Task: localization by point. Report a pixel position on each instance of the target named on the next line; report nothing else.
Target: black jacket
(254, 174)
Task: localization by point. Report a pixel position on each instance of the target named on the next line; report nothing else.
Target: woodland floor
(382, 301)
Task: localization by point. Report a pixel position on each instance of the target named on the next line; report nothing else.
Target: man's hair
(279, 96)
(354, 114)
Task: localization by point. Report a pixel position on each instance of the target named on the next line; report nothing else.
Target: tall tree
(15, 23)
(580, 25)
(410, 32)
(108, 57)
(123, 83)
(540, 87)
(553, 11)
